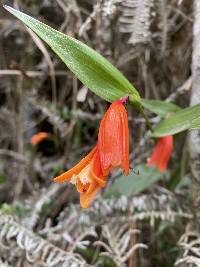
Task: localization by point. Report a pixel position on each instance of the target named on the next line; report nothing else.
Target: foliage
(91, 68)
(180, 121)
(135, 182)
(101, 76)
(159, 107)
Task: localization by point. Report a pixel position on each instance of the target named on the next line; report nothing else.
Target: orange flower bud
(162, 153)
(39, 137)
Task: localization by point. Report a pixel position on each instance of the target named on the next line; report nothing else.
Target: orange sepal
(125, 140)
(113, 139)
(66, 176)
(96, 171)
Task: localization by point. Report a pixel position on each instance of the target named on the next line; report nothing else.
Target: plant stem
(146, 119)
(137, 103)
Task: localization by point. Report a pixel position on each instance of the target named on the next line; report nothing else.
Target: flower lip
(87, 176)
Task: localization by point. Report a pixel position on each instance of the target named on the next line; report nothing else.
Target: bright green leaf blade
(180, 121)
(195, 124)
(134, 184)
(159, 107)
(93, 70)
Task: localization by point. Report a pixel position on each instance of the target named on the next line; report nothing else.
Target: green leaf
(134, 184)
(182, 120)
(195, 124)
(160, 107)
(93, 70)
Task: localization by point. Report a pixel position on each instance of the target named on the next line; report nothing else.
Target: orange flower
(87, 176)
(161, 153)
(113, 139)
(112, 151)
(39, 137)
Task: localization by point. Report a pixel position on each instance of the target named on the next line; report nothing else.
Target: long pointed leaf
(93, 70)
(159, 107)
(182, 120)
(134, 184)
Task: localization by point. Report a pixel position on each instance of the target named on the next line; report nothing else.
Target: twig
(186, 86)
(44, 51)
(29, 73)
(15, 155)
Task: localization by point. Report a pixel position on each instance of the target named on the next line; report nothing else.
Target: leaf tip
(6, 7)
(9, 9)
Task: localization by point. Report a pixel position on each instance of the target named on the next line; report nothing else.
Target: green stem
(137, 103)
(146, 119)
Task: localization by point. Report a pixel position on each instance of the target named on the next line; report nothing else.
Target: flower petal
(113, 139)
(109, 139)
(66, 176)
(87, 197)
(96, 171)
(125, 139)
(161, 153)
(81, 188)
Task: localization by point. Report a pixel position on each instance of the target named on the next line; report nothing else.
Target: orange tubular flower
(39, 137)
(161, 153)
(113, 138)
(87, 176)
(112, 151)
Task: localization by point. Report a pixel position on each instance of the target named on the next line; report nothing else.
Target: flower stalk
(139, 107)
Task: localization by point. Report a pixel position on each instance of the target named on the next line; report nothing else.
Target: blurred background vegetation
(146, 220)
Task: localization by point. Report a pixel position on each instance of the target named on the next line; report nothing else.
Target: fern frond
(36, 249)
(163, 206)
(118, 246)
(51, 114)
(190, 245)
(136, 20)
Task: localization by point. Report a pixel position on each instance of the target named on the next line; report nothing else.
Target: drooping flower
(39, 137)
(112, 151)
(87, 176)
(162, 153)
(113, 139)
